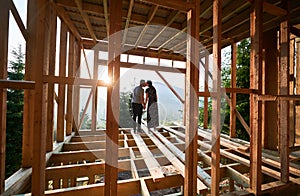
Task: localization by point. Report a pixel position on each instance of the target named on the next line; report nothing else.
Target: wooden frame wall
(4, 15)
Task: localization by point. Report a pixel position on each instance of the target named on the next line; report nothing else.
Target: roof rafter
(173, 4)
(127, 21)
(86, 19)
(171, 19)
(151, 15)
(106, 16)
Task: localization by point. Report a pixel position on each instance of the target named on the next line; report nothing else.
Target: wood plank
(152, 165)
(38, 29)
(216, 101)
(173, 4)
(144, 189)
(76, 97)
(74, 80)
(71, 73)
(297, 81)
(256, 30)
(52, 63)
(292, 114)
(175, 156)
(233, 95)
(16, 84)
(113, 97)
(284, 90)
(127, 21)
(4, 22)
(106, 16)
(62, 87)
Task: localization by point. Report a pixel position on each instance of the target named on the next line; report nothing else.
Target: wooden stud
(71, 68)
(191, 104)
(113, 97)
(52, 61)
(233, 95)
(284, 90)
(216, 101)
(38, 31)
(255, 106)
(297, 125)
(206, 115)
(62, 87)
(4, 23)
(270, 86)
(95, 94)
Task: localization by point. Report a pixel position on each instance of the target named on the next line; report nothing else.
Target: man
(138, 104)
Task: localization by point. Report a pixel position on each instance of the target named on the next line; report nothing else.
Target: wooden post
(292, 85)
(233, 95)
(297, 126)
(191, 100)
(284, 90)
(76, 95)
(113, 98)
(95, 96)
(205, 117)
(52, 57)
(38, 27)
(4, 15)
(71, 67)
(62, 87)
(255, 106)
(270, 112)
(216, 100)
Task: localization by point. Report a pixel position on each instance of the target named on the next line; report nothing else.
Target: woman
(152, 109)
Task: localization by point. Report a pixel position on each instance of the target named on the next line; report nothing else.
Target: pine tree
(14, 119)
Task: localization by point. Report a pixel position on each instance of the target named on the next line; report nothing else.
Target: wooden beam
(284, 90)
(191, 99)
(273, 9)
(256, 23)
(71, 80)
(171, 19)
(233, 95)
(18, 19)
(52, 63)
(4, 23)
(295, 31)
(171, 39)
(62, 87)
(16, 84)
(151, 15)
(153, 166)
(71, 73)
(64, 16)
(170, 87)
(106, 16)
(216, 101)
(292, 85)
(173, 4)
(86, 20)
(113, 97)
(127, 21)
(76, 97)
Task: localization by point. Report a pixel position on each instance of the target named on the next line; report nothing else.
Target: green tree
(87, 122)
(243, 81)
(14, 118)
(125, 110)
